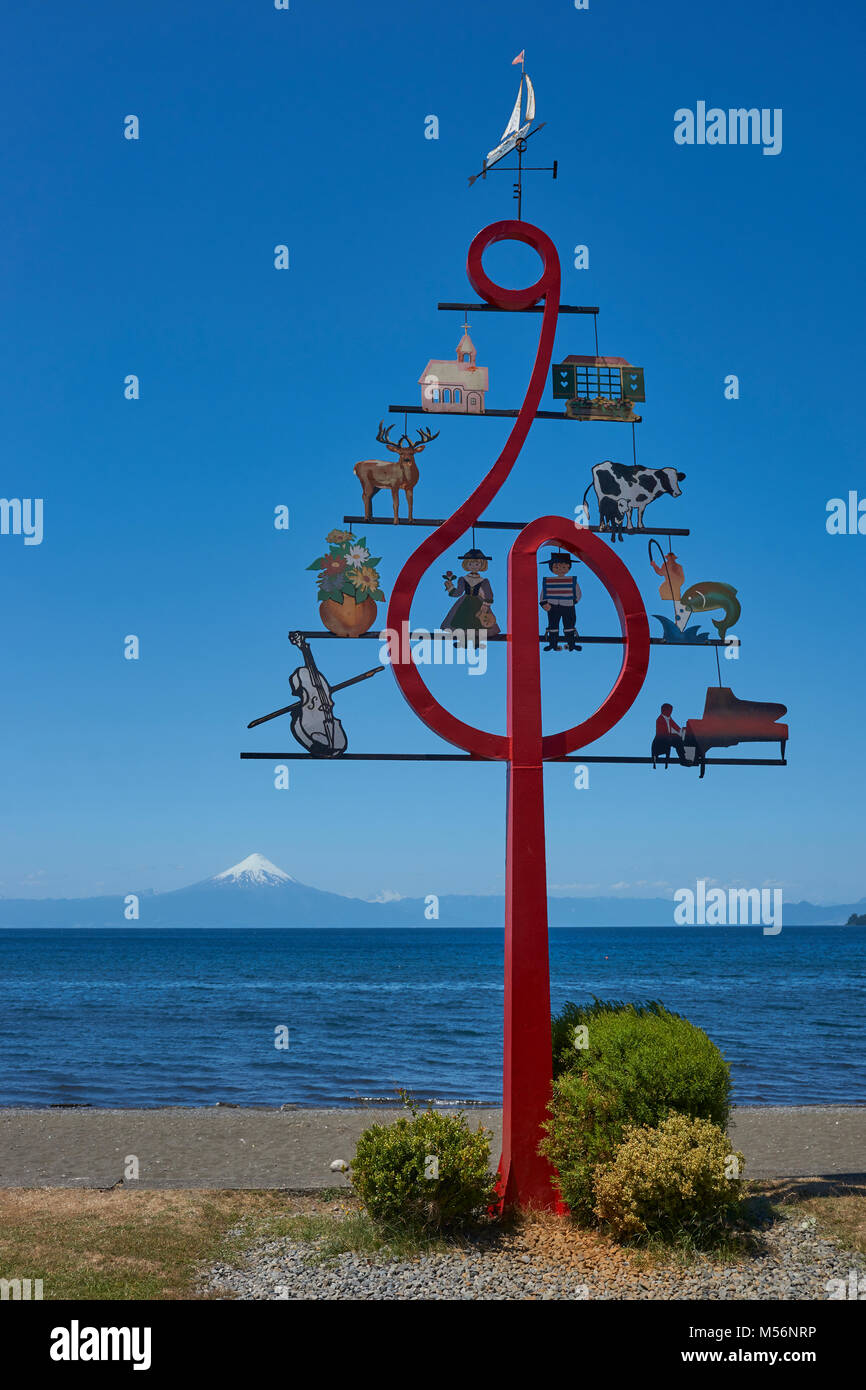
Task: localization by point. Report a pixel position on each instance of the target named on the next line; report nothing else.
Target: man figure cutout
(674, 578)
(559, 597)
(669, 737)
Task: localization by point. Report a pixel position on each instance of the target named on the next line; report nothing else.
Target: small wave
(394, 1102)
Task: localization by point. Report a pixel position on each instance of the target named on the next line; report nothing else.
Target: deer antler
(425, 436)
(382, 436)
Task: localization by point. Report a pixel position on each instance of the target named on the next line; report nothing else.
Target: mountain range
(255, 893)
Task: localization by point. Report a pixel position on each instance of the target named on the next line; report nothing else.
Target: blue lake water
(145, 1017)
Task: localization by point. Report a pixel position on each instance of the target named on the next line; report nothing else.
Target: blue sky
(261, 387)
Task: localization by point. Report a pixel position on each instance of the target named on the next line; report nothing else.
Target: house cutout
(458, 387)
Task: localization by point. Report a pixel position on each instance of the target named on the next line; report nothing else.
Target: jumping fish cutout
(712, 593)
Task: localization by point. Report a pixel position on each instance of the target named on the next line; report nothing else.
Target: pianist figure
(669, 737)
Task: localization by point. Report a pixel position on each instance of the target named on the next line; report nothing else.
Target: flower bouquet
(348, 585)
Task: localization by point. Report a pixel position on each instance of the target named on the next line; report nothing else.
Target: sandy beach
(226, 1147)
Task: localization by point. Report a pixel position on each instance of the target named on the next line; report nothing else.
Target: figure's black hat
(559, 557)
(474, 554)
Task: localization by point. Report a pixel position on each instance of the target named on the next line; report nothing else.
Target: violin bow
(296, 704)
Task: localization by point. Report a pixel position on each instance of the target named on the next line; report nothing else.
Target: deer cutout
(399, 475)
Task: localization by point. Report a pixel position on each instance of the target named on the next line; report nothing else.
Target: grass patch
(843, 1218)
(116, 1246)
(122, 1245)
(837, 1208)
(357, 1234)
(728, 1246)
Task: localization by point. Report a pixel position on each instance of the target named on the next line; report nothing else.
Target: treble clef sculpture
(524, 1176)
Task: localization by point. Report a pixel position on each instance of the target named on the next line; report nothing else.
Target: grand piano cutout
(727, 721)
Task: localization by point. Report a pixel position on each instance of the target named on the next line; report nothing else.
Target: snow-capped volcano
(255, 869)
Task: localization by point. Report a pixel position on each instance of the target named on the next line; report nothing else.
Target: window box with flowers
(348, 585)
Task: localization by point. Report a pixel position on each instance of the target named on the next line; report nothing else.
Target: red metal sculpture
(525, 1177)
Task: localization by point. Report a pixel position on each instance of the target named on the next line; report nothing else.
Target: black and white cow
(631, 488)
(612, 513)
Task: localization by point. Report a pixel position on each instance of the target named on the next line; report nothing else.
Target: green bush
(563, 1025)
(668, 1180)
(424, 1173)
(641, 1064)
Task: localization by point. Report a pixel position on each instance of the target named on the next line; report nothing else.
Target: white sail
(515, 130)
(514, 122)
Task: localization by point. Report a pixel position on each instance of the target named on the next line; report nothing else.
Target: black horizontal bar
(533, 308)
(512, 526)
(376, 757)
(509, 415)
(504, 637)
(469, 758)
(425, 521)
(710, 762)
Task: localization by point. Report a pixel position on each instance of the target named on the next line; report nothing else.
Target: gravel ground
(544, 1260)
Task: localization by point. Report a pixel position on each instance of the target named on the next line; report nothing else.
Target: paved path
(223, 1147)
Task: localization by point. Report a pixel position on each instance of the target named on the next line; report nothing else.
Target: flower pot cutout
(348, 585)
(348, 619)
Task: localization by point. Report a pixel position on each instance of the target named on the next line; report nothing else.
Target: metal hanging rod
(468, 758)
(508, 415)
(509, 526)
(441, 636)
(533, 308)
(374, 757)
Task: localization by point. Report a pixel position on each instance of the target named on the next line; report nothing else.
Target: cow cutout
(621, 489)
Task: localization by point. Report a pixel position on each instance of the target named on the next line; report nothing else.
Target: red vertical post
(525, 1177)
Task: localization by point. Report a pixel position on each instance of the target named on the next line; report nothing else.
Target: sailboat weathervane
(515, 136)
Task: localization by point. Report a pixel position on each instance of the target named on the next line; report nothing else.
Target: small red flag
(519, 58)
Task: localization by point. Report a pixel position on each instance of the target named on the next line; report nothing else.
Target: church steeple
(466, 348)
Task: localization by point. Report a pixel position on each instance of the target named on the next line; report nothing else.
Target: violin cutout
(314, 724)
